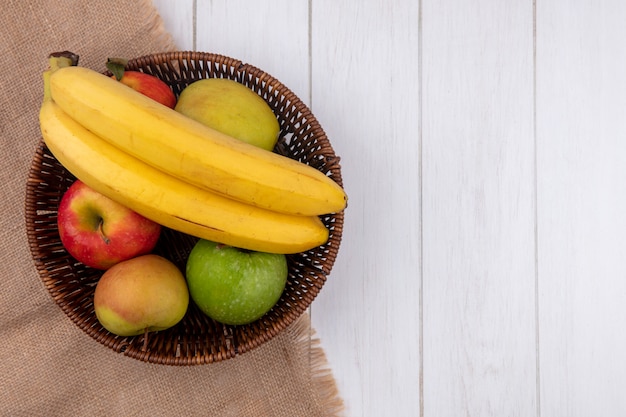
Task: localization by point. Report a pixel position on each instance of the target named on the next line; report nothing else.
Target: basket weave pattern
(197, 339)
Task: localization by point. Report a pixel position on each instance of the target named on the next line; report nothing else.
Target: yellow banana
(188, 150)
(170, 201)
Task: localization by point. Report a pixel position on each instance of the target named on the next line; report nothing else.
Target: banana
(167, 200)
(190, 151)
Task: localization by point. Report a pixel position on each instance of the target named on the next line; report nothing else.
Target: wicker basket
(196, 339)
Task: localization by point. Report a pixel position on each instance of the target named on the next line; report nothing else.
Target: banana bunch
(178, 172)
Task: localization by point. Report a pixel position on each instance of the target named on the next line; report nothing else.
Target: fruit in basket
(146, 84)
(100, 232)
(150, 86)
(144, 294)
(190, 151)
(169, 201)
(234, 286)
(231, 108)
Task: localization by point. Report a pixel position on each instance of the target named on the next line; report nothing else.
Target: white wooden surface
(483, 264)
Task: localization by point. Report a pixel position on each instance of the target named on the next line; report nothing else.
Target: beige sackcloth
(48, 366)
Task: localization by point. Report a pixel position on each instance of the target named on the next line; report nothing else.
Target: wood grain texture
(365, 92)
(179, 19)
(270, 34)
(581, 131)
(478, 209)
(482, 271)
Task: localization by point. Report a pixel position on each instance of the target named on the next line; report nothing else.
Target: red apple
(140, 295)
(150, 86)
(100, 232)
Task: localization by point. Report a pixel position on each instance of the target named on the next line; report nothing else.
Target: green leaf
(117, 66)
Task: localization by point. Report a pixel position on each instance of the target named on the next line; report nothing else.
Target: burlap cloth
(48, 366)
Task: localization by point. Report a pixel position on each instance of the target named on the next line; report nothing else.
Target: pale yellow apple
(143, 294)
(231, 108)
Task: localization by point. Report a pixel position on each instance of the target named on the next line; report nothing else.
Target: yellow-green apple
(231, 108)
(100, 232)
(140, 295)
(232, 285)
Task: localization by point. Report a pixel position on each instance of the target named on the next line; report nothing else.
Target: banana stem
(57, 60)
(47, 96)
(62, 59)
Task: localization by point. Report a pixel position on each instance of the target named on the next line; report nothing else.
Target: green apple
(231, 108)
(234, 286)
(143, 294)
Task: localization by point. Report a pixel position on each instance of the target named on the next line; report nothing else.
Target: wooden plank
(178, 19)
(581, 131)
(269, 34)
(478, 209)
(365, 94)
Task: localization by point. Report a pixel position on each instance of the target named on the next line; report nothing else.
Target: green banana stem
(57, 60)
(47, 96)
(62, 59)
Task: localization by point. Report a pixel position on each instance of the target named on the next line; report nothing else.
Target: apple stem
(144, 347)
(101, 230)
(117, 67)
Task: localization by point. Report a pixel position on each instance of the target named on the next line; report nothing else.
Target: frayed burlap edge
(156, 27)
(322, 379)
